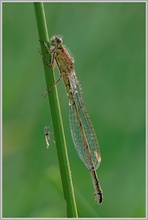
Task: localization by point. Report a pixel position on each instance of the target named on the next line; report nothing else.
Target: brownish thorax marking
(65, 64)
(64, 60)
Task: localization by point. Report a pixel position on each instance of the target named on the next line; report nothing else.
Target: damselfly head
(56, 41)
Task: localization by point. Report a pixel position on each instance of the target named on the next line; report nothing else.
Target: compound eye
(52, 41)
(59, 40)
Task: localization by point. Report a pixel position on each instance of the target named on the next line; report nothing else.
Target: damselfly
(82, 131)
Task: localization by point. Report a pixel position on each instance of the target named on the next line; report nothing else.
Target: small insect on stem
(47, 134)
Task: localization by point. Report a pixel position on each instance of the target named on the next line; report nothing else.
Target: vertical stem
(56, 117)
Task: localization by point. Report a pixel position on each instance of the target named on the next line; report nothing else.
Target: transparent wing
(79, 119)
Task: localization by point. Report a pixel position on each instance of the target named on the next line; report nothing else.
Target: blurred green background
(107, 41)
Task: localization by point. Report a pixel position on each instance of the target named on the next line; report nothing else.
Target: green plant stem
(56, 117)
